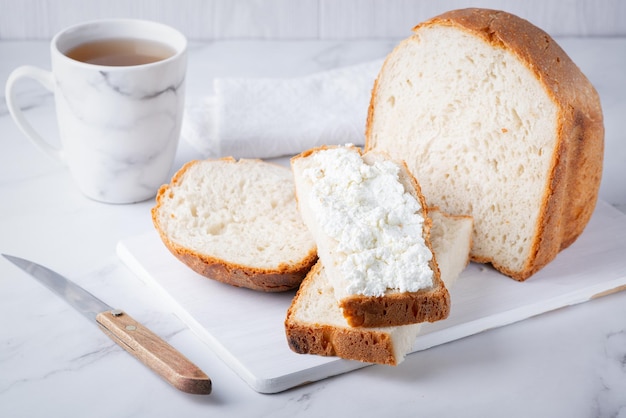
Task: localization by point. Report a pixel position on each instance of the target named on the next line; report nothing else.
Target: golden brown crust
(394, 309)
(326, 340)
(284, 277)
(355, 343)
(397, 309)
(576, 170)
(574, 179)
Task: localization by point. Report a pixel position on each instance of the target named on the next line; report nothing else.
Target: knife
(129, 334)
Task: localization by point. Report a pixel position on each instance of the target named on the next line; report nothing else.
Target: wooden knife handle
(154, 352)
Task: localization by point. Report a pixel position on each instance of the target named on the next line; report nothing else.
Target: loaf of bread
(236, 222)
(371, 226)
(316, 325)
(496, 121)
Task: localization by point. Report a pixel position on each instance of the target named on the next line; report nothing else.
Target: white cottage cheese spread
(378, 226)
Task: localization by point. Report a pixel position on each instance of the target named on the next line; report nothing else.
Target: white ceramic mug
(119, 125)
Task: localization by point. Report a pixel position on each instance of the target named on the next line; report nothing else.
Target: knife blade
(129, 334)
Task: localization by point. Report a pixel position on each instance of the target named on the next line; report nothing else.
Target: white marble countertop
(567, 363)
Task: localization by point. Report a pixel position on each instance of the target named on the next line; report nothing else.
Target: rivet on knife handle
(154, 352)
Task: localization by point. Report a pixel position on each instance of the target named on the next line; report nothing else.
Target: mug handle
(44, 78)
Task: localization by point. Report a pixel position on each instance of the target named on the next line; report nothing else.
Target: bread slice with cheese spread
(496, 121)
(316, 325)
(372, 230)
(236, 222)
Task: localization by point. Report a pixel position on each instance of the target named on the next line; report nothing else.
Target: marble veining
(568, 363)
(127, 156)
(610, 400)
(131, 92)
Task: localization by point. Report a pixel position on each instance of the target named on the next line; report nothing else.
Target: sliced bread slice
(371, 227)
(316, 325)
(236, 222)
(496, 121)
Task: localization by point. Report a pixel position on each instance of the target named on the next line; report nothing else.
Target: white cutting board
(245, 328)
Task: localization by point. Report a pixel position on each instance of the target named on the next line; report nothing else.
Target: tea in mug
(120, 52)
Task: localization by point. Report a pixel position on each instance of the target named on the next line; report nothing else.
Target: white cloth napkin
(265, 118)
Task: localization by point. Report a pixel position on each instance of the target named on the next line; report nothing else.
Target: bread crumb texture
(469, 93)
(377, 225)
(486, 110)
(242, 212)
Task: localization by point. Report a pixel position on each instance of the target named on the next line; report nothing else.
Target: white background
(567, 363)
(302, 19)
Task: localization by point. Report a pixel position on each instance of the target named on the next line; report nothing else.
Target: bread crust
(393, 309)
(426, 305)
(284, 277)
(571, 191)
(370, 345)
(361, 344)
